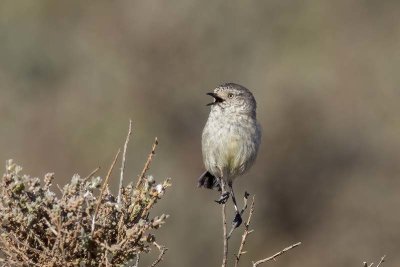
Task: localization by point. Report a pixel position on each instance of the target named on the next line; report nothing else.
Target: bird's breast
(229, 146)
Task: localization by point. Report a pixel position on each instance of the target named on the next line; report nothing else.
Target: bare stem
(225, 256)
(225, 233)
(245, 234)
(273, 257)
(147, 165)
(162, 250)
(121, 178)
(137, 260)
(365, 264)
(92, 173)
(246, 195)
(381, 261)
(102, 190)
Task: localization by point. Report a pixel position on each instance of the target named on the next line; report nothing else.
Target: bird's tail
(209, 181)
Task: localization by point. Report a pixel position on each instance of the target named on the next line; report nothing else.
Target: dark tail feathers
(207, 180)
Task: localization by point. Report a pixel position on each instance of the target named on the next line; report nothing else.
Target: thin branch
(106, 258)
(163, 250)
(273, 257)
(21, 253)
(365, 264)
(50, 227)
(121, 178)
(15, 238)
(225, 256)
(147, 165)
(246, 232)
(90, 175)
(137, 260)
(234, 224)
(102, 190)
(381, 261)
(225, 234)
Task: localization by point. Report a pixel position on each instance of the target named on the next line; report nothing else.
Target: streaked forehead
(231, 87)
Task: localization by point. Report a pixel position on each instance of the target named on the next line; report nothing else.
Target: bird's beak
(217, 99)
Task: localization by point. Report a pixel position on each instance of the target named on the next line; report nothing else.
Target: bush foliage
(85, 225)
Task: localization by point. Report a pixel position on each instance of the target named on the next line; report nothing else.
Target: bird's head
(231, 97)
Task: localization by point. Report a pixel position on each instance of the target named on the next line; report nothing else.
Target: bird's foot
(237, 221)
(223, 198)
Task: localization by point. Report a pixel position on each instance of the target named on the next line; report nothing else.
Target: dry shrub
(85, 226)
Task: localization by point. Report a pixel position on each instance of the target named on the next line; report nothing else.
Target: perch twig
(381, 261)
(102, 190)
(365, 264)
(225, 234)
(121, 177)
(90, 175)
(245, 233)
(234, 225)
(163, 250)
(147, 165)
(273, 257)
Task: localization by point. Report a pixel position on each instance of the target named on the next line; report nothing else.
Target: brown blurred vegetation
(325, 74)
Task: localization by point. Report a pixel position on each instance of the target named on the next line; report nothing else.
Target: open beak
(217, 99)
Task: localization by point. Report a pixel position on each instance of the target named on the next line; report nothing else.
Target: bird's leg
(237, 221)
(224, 194)
(233, 196)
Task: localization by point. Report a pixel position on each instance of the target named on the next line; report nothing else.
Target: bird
(230, 140)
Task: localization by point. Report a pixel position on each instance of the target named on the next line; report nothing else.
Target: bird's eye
(230, 95)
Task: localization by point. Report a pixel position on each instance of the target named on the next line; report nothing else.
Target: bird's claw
(223, 198)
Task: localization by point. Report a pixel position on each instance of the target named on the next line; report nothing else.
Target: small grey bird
(230, 140)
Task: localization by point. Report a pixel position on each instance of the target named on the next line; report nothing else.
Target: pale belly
(229, 151)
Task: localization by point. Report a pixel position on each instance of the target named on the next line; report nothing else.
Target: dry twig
(121, 178)
(365, 264)
(246, 232)
(225, 256)
(234, 225)
(162, 250)
(147, 165)
(381, 261)
(102, 190)
(90, 175)
(273, 257)
(225, 234)
(137, 260)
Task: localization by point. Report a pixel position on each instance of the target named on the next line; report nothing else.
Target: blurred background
(326, 78)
